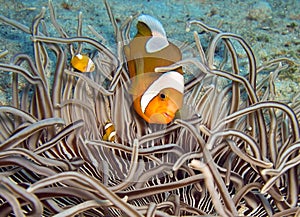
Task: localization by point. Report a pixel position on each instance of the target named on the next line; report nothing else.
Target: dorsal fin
(153, 24)
(158, 41)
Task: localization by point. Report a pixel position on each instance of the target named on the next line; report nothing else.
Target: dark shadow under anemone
(232, 151)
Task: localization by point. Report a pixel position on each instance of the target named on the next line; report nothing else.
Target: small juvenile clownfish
(109, 132)
(156, 96)
(82, 63)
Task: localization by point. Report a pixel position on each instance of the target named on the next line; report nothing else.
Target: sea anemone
(232, 151)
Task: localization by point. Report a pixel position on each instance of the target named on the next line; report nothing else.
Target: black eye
(162, 96)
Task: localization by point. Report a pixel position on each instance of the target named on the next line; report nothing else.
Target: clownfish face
(82, 63)
(158, 96)
(162, 108)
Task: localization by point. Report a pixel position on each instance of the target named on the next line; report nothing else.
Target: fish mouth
(169, 117)
(162, 118)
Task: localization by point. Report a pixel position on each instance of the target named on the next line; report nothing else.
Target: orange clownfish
(156, 96)
(82, 63)
(109, 132)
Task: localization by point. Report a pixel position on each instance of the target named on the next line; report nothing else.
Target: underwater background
(270, 27)
(233, 148)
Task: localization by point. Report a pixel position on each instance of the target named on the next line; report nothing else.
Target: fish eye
(162, 95)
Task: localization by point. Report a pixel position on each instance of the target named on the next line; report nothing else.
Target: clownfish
(156, 96)
(109, 132)
(82, 63)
